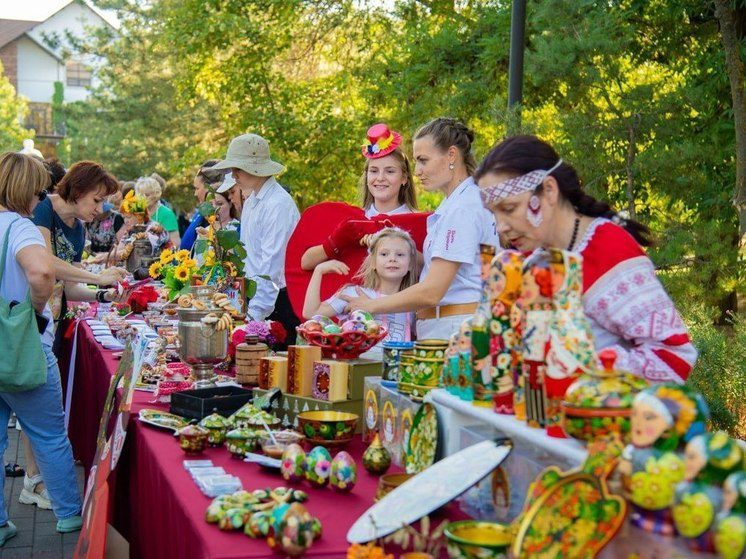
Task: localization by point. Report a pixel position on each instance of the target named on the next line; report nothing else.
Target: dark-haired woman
(80, 198)
(538, 202)
(201, 181)
(450, 283)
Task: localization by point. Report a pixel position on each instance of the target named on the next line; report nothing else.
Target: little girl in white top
(391, 265)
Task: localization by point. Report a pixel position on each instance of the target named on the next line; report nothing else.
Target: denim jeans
(43, 420)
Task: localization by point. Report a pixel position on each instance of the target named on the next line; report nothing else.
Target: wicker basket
(248, 357)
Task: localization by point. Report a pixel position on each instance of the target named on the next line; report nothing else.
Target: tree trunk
(734, 66)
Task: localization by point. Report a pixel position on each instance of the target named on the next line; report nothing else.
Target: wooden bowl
(327, 428)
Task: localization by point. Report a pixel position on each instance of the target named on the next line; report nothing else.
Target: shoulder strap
(5, 250)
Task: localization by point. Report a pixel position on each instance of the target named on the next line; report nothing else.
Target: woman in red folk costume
(538, 202)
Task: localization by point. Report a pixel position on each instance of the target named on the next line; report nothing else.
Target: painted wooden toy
(664, 418)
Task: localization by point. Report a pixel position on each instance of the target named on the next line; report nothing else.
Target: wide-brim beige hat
(250, 153)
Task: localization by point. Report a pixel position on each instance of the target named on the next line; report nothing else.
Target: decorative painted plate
(573, 516)
(429, 490)
(162, 419)
(423, 440)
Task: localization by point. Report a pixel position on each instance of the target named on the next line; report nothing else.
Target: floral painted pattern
(423, 440)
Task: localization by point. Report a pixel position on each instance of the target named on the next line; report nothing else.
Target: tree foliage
(12, 111)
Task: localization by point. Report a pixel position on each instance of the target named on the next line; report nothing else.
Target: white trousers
(440, 328)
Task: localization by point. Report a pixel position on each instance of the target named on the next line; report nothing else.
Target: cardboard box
(288, 406)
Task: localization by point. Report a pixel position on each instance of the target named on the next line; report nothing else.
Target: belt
(446, 310)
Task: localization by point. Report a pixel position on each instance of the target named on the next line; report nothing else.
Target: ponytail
(523, 154)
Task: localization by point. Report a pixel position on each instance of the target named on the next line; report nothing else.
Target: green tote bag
(23, 365)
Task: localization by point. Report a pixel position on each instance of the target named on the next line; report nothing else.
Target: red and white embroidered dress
(628, 308)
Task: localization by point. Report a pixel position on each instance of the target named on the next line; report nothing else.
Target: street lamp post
(515, 65)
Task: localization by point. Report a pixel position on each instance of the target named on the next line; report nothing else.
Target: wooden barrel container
(248, 357)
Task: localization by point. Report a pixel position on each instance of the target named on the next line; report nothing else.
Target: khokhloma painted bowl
(327, 428)
(474, 539)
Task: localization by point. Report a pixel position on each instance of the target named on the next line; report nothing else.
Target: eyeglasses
(42, 195)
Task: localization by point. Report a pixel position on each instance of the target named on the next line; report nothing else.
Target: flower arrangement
(140, 297)
(134, 204)
(367, 551)
(176, 269)
(221, 251)
(270, 332)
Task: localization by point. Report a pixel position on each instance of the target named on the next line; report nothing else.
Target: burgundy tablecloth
(157, 505)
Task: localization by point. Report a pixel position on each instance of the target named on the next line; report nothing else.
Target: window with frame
(78, 74)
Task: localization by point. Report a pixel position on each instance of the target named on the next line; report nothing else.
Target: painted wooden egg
(293, 463)
(344, 472)
(318, 466)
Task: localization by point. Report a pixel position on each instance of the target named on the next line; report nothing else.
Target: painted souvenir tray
(429, 490)
(162, 419)
(423, 440)
(573, 516)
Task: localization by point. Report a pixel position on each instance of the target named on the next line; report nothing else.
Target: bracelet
(100, 295)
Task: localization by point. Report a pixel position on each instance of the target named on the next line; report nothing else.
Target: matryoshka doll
(730, 526)
(571, 350)
(708, 460)
(450, 367)
(503, 288)
(464, 375)
(535, 305)
(481, 365)
(664, 418)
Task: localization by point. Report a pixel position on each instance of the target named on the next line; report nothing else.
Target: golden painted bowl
(474, 539)
(388, 482)
(327, 428)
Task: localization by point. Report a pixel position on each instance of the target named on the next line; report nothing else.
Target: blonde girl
(391, 266)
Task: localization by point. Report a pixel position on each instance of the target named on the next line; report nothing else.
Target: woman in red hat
(386, 187)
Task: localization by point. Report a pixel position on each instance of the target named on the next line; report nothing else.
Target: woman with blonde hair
(390, 267)
(27, 268)
(386, 187)
(158, 212)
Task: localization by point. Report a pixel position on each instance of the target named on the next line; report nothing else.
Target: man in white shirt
(268, 218)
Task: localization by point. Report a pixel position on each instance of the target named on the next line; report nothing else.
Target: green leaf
(228, 238)
(201, 245)
(250, 288)
(206, 209)
(239, 251)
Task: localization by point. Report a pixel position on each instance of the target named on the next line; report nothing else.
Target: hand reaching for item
(111, 276)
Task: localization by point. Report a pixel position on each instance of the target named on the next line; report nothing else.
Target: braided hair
(523, 154)
(447, 132)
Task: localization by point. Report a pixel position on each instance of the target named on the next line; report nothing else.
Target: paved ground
(37, 537)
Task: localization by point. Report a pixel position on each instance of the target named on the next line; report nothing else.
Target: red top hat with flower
(381, 141)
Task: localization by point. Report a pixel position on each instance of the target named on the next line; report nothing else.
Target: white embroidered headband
(516, 185)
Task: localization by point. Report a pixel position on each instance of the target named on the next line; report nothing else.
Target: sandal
(14, 470)
(29, 496)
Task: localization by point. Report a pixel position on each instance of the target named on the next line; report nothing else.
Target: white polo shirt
(454, 233)
(371, 211)
(268, 218)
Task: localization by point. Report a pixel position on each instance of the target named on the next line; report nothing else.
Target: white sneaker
(30, 497)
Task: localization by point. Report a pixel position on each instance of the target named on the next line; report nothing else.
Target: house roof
(11, 29)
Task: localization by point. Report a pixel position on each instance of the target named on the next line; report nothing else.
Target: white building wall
(76, 20)
(37, 72)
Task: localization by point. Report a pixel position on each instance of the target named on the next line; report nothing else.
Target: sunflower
(182, 255)
(211, 219)
(229, 268)
(166, 256)
(182, 273)
(155, 270)
(210, 258)
(130, 195)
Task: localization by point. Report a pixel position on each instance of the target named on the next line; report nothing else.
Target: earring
(450, 166)
(534, 213)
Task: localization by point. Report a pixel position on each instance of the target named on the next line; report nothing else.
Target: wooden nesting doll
(664, 418)
(708, 460)
(730, 525)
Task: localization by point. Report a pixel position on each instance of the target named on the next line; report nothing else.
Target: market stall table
(156, 504)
